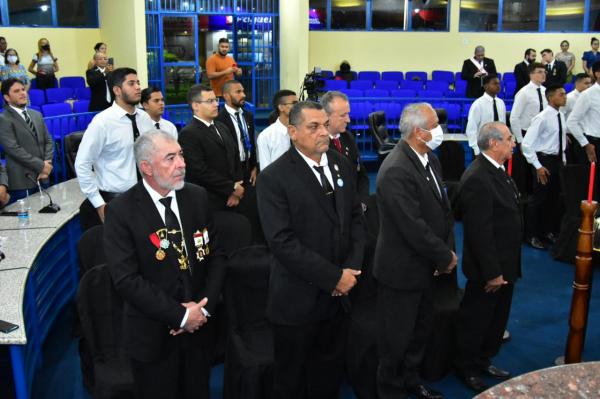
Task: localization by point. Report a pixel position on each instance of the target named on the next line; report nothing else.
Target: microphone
(51, 207)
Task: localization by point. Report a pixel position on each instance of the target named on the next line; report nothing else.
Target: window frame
(5, 18)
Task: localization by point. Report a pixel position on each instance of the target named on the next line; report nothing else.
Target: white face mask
(437, 137)
(12, 59)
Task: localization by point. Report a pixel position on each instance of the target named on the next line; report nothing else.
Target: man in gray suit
(4, 196)
(27, 144)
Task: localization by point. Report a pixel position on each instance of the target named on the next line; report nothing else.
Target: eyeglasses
(292, 103)
(209, 101)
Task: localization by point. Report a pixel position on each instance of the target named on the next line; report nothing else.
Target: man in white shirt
(544, 148)
(487, 108)
(153, 102)
(274, 140)
(105, 163)
(582, 83)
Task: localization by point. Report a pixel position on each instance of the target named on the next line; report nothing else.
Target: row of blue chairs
(72, 82)
(437, 75)
(59, 95)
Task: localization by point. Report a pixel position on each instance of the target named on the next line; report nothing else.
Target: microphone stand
(51, 207)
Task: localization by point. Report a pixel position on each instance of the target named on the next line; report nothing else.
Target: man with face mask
(415, 243)
(220, 67)
(105, 165)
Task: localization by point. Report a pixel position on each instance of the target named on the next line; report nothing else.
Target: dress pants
(309, 359)
(482, 319)
(404, 320)
(182, 372)
(88, 215)
(545, 210)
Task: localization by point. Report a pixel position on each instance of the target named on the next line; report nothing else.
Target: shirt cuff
(537, 164)
(205, 312)
(185, 317)
(96, 200)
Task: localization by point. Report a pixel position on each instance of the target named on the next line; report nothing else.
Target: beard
(167, 185)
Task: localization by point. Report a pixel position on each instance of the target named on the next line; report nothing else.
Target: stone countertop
(67, 195)
(579, 380)
(22, 246)
(12, 289)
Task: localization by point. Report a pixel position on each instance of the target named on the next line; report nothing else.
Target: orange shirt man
(220, 68)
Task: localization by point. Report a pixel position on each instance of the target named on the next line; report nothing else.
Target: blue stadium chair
(369, 75)
(416, 75)
(58, 95)
(352, 93)
(56, 109)
(72, 81)
(386, 84)
(327, 74)
(443, 76)
(509, 76)
(509, 88)
(361, 84)
(438, 85)
(38, 108)
(81, 106)
(83, 93)
(499, 75)
(37, 97)
(411, 84)
(430, 93)
(392, 75)
(460, 89)
(33, 83)
(404, 93)
(335, 85)
(569, 87)
(457, 76)
(454, 119)
(359, 114)
(392, 110)
(377, 93)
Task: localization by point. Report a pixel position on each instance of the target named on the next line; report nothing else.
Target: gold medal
(160, 254)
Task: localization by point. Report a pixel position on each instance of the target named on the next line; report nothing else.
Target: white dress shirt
(424, 161)
(271, 143)
(480, 113)
(105, 160)
(167, 126)
(493, 161)
(585, 116)
(232, 112)
(107, 93)
(572, 98)
(542, 136)
(20, 111)
(525, 107)
(324, 162)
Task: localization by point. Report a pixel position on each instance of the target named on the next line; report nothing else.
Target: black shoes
(536, 243)
(475, 383)
(497, 373)
(422, 392)
(551, 238)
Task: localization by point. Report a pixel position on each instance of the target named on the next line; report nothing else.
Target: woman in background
(589, 57)
(44, 65)
(567, 57)
(13, 68)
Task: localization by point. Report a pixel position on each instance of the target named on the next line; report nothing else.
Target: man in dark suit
(27, 143)
(97, 79)
(166, 264)
(313, 223)
(473, 71)
(490, 206)
(556, 71)
(4, 195)
(415, 243)
(337, 106)
(212, 159)
(522, 69)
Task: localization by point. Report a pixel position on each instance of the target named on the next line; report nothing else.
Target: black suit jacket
(211, 161)
(311, 242)
(350, 151)
(474, 85)
(97, 82)
(415, 233)
(224, 118)
(557, 75)
(493, 224)
(521, 75)
(153, 290)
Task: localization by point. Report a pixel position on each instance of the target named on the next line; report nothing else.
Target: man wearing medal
(312, 218)
(166, 264)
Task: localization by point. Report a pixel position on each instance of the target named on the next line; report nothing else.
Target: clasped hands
(195, 319)
(347, 282)
(450, 267)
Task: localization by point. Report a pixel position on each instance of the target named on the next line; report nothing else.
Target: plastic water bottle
(23, 213)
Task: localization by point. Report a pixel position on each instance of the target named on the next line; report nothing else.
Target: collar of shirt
(19, 111)
(120, 111)
(281, 127)
(534, 85)
(526, 62)
(492, 161)
(335, 136)
(488, 97)
(207, 123)
(423, 158)
(156, 197)
(311, 163)
(233, 111)
(101, 69)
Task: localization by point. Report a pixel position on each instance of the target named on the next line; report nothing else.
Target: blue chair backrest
(369, 75)
(386, 84)
(352, 92)
(58, 95)
(377, 93)
(416, 75)
(431, 93)
(569, 87)
(403, 93)
(460, 86)
(411, 84)
(326, 74)
(335, 85)
(33, 84)
(80, 106)
(509, 88)
(56, 109)
(83, 93)
(72, 81)
(392, 75)
(457, 76)
(444, 76)
(509, 76)
(361, 84)
(37, 97)
(437, 85)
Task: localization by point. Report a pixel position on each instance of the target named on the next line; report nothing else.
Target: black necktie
(213, 129)
(30, 124)
(157, 125)
(245, 143)
(174, 230)
(496, 118)
(171, 222)
(327, 189)
(136, 131)
(539, 91)
(510, 182)
(560, 134)
(432, 180)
